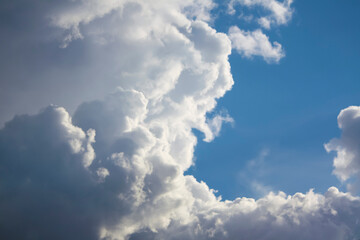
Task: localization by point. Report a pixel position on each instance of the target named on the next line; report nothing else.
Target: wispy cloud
(250, 176)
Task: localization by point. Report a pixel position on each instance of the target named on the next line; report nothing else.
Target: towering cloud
(115, 169)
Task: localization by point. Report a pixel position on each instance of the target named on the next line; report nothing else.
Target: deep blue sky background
(289, 108)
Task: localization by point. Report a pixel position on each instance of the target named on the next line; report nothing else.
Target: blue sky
(289, 108)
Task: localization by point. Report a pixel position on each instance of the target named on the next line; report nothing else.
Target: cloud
(347, 160)
(116, 168)
(279, 12)
(165, 68)
(114, 43)
(333, 215)
(138, 192)
(215, 125)
(45, 179)
(255, 43)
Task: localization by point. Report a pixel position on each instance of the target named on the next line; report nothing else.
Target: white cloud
(264, 22)
(347, 160)
(333, 215)
(165, 72)
(255, 43)
(115, 43)
(279, 12)
(215, 125)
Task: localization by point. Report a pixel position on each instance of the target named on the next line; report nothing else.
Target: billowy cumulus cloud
(114, 168)
(347, 159)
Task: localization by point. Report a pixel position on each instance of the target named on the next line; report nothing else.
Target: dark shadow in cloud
(46, 192)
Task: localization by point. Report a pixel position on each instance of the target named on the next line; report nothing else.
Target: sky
(191, 119)
(288, 109)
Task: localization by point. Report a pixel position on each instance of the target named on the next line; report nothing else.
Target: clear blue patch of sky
(289, 108)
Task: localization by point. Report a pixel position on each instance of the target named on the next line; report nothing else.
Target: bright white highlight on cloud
(115, 169)
(255, 43)
(279, 12)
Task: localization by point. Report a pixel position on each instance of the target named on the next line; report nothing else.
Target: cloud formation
(333, 215)
(45, 180)
(279, 13)
(115, 169)
(347, 160)
(256, 43)
(114, 43)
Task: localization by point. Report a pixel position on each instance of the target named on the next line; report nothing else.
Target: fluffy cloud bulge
(143, 74)
(347, 160)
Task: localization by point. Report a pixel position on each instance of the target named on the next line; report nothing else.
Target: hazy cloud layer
(115, 169)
